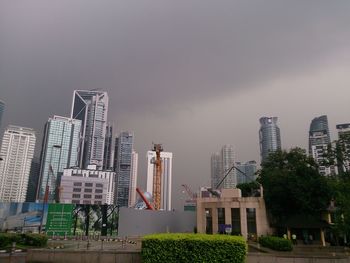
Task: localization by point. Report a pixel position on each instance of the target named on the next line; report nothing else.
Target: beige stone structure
(233, 213)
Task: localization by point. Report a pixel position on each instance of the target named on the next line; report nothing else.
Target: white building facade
(87, 186)
(166, 179)
(17, 152)
(133, 179)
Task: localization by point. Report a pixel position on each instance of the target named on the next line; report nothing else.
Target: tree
(250, 189)
(293, 186)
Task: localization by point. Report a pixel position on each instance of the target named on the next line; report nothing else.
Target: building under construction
(159, 177)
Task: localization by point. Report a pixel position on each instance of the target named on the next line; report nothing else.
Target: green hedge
(276, 243)
(193, 248)
(34, 240)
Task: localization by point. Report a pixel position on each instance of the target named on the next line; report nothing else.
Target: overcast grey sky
(193, 75)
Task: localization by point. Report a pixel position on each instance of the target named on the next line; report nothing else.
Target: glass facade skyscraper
(249, 170)
(108, 150)
(216, 169)
(17, 151)
(123, 167)
(60, 150)
(269, 137)
(91, 107)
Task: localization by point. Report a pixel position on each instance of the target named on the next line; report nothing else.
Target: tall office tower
(319, 140)
(227, 156)
(269, 137)
(123, 164)
(133, 179)
(216, 169)
(344, 145)
(17, 152)
(108, 150)
(2, 109)
(166, 178)
(91, 107)
(33, 180)
(60, 150)
(246, 173)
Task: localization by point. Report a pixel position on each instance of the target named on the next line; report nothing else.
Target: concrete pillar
(201, 219)
(289, 235)
(244, 227)
(215, 220)
(323, 241)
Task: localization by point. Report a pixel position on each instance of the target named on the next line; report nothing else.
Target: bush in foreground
(276, 243)
(33, 240)
(193, 248)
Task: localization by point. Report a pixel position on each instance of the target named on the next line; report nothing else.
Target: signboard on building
(59, 219)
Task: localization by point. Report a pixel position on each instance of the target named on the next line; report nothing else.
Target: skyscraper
(166, 179)
(33, 181)
(133, 179)
(269, 137)
(319, 139)
(227, 156)
(216, 169)
(2, 109)
(123, 167)
(91, 107)
(249, 169)
(17, 152)
(108, 150)
(344, 145)
(60, 150)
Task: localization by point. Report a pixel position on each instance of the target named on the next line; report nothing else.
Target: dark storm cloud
(149, 53)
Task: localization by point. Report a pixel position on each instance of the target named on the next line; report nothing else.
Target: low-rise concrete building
(232, 213)
(87, 186)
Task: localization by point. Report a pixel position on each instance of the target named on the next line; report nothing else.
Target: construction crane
(145, 200)
(215, 191)
(189, 192)
(157, 176)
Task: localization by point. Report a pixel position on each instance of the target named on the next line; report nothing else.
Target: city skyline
(192, 84)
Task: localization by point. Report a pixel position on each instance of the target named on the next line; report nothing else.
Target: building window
(87, 196)
(86, 202)
(236, 221)
(75, 202)
(209, 221)
(221, 220)
(88, 190)
(76, 196)
(99, 185)
(98, 191)
(88, 184)
(98, 203)
(77, 190)
(251, 222)
(98, 196)
(77, 184)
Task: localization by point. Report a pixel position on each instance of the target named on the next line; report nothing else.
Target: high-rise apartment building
(319, 140)
(133, 178)
(17, 152)
(108, 150)
(227, 156)
(123, 165)
(269, 137)
(2, 109)
(216, 169)
(91, 107)
(344, 145)
(166, 178)
(246, 172)
(60, 150)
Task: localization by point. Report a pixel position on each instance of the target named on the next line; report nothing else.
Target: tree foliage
(250, 189)
(293, 185)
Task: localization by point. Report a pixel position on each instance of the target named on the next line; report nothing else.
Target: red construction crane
(149, 206)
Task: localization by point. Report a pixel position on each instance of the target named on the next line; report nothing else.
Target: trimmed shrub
(175, 248)
(33, 240)
(276, 243)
